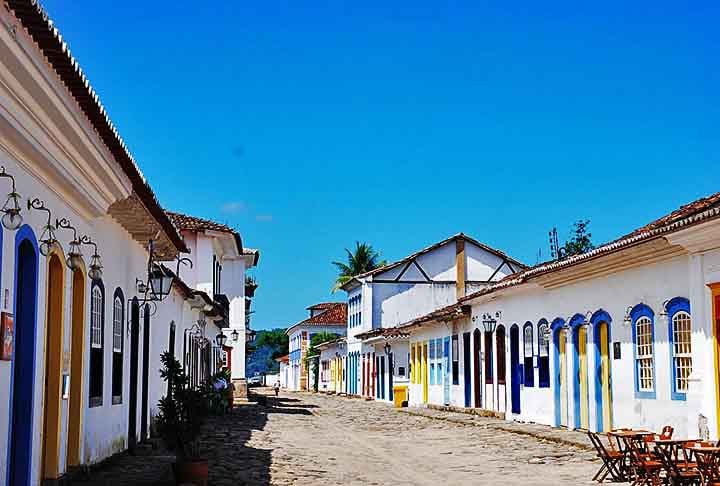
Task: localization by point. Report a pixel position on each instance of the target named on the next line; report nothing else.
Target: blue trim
(675, 305)
(555, 329)
(642, 310)
(528, 370)
(20, 428)
(599, 317)
(515, 368)
(576, 322)
(543, 383)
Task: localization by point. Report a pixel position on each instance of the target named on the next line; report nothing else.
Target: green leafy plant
(363, 259)
(581, 240)
(181, 411)
(216, 392)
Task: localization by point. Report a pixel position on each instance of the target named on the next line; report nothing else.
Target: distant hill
(268, 345)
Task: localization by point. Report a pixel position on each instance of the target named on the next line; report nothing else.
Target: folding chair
(612, 459)
(678, 470)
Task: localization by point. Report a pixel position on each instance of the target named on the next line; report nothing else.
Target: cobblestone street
(306, 439)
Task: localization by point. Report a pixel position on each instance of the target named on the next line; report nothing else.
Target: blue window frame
(643, 335)
(431, 358)
(529, 371)
(680, 339)
(543, 354)
(439, 357)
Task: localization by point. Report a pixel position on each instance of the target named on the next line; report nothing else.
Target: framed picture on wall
(7, 335)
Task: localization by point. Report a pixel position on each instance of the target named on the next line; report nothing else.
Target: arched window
(500, 345)
(643, 329)
(118, 344)
(97, 320)
(543, 354)
(680, 333)
(528, 370)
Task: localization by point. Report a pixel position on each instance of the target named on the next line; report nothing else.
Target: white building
(330, 317)
(219, 267)
(622, 336)
(378, 301)
(81, 345)
(332, 358)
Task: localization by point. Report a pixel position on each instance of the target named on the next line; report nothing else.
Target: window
(529, 371)
(643, 336)
(117, 347)
(455, 361)
(440, 357)
(543, 355)
(431, 353)
(680, 334)
(500, 345)
(488, 358)
(97, 318)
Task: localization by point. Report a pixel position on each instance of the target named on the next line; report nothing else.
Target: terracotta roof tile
(337, 314)
(185, 222)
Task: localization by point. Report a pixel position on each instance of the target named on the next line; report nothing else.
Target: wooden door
(476, 368)
(584, 422)
(466, 368)
(605, 378)
(515, 369)
(562, 344)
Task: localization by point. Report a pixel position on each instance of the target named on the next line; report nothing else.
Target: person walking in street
(276, 387)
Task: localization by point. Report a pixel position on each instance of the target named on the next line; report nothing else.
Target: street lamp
(664, 312)
(489, 321)
(235, 335)
(220, 339)
(95, 271)
(627, 321)
(12, 219)
(387, 348)
(48, 241)
(74, 258)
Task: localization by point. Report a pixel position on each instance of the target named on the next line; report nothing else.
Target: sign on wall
(616, 350)
(7, 335)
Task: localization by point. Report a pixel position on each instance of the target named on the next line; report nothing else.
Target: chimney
(460, 266)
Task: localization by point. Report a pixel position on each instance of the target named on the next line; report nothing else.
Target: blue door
(515, 368)
(390, 377)
(21, 447)
(446, 364)
(466, 367)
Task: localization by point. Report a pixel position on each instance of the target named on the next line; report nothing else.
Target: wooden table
(621, 438)
(708, 462)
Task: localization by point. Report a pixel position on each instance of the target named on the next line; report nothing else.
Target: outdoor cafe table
(710, 466)
(621, 438)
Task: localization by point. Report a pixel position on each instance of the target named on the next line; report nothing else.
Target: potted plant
(179, 420)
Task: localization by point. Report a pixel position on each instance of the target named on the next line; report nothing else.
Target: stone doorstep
(536, 431)
(482, 412)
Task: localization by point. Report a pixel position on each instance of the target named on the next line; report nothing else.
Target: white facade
(657, 288)
(402, 291)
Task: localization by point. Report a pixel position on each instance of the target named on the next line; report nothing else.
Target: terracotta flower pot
(191, 472)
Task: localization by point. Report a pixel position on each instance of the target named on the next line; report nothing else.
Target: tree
(581, 240)
(312, 355)
(362, 260)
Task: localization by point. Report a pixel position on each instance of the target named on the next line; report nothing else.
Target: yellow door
(425, 371)
(563, 380)
(605, 378)
(76, 368)
(583, 378)
(53, 368)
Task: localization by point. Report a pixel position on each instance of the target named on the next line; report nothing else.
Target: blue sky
(310, 125)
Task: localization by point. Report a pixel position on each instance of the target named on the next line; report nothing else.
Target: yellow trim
(75, 410)
(605, 377)
(412, 363)
(583, 371)
(714, 293)
(53, 366)
(425, 371)
(563, 380)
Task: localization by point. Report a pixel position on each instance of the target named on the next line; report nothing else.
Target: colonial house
(378, 355)
(284, 370)
(92, 290)
(625, 335)
(332, 356)
(219, 266)
(328, 317)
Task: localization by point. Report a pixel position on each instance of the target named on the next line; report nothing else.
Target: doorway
(146, 373)
(476, 368)
(603, 396)
(53, 367)
(134, 356)
(20, 445)
(77, 348)
(466, 368)
(582, 407)
(561, 402)
(515, 369)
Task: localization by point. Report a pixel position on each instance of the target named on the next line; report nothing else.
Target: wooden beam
(460, 268)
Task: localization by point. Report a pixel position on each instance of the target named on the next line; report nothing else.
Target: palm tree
(362, 260)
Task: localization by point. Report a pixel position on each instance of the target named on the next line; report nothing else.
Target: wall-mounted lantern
(74, 254)
(95, 270)
(11, 219)
(220, 339)
(48, 240)
(235, 335)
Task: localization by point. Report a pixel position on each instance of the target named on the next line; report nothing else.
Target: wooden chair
(667, 433)
(646, 467)
(611, 458)
(708, 464)
(678, 470)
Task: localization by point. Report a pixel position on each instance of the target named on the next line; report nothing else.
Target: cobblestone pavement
(309, 439)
